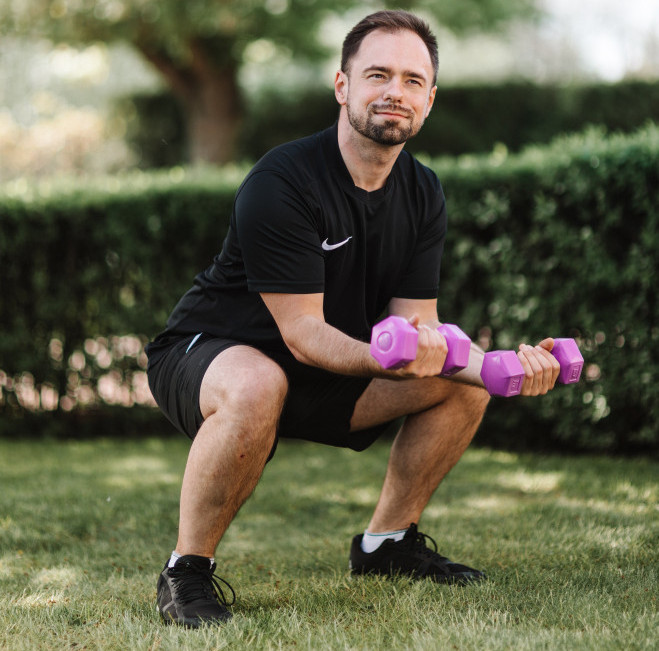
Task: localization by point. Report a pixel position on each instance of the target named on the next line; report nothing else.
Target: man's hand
(431, 352)
(541, 368)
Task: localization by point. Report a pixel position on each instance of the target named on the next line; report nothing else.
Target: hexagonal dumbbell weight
(394, 343)
(502, 373)
(570, 358)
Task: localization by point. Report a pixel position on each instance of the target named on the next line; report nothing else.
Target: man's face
(389, 88)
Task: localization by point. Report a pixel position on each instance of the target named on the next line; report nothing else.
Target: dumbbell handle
(394, 344)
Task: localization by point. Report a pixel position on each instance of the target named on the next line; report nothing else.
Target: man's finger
(553, 365)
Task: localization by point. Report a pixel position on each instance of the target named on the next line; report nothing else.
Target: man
(326, 234)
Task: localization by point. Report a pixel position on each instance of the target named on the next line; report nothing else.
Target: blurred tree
(198, 45)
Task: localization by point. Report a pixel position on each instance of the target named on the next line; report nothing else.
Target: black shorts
(318, 407)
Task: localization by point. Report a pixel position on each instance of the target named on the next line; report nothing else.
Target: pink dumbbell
(394, 342)
(503, 375)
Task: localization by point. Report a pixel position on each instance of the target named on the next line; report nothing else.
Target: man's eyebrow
(406, 73)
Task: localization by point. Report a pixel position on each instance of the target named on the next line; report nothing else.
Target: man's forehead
(382, 48)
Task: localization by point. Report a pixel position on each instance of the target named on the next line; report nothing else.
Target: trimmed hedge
(561, 241)
(564, 241)
(87, 261)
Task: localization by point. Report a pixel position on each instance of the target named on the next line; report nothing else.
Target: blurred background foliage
(197, 47)
(94, 95)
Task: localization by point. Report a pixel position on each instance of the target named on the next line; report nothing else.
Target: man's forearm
(326, 347)
(472, 373)
(316, 343)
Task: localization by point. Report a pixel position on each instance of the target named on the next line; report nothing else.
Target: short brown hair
(389, 21)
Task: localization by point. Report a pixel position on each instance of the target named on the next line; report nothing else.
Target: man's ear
(341, 87)
(431, 100)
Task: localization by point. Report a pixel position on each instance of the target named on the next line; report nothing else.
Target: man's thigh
(386, 400)
(318, 405)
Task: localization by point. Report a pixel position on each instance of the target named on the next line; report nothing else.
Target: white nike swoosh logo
(331, 247)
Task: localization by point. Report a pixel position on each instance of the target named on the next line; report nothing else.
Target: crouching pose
(327, 233)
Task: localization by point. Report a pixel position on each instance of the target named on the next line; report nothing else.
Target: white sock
(371, 541)
(175, 556)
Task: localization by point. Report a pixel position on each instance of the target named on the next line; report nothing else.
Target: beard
(389, 132)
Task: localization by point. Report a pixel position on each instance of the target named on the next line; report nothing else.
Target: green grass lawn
(571, 546)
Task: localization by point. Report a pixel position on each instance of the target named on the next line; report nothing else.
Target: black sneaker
(410, 557)
(191, 595)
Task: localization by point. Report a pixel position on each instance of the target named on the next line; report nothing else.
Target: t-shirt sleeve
(278, 237)
(421, 279)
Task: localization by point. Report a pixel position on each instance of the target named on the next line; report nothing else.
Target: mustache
(391, 108)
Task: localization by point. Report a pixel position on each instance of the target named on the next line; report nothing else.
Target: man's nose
(393, 90)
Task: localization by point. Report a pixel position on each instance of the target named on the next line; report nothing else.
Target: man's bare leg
(241, 398)
(444, 416)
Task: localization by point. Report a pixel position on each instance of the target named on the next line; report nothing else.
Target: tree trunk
(213, 117)
(210, 98)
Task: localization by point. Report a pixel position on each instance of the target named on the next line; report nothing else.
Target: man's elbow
(298, 352)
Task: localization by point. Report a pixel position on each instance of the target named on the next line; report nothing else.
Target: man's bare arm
(313, 341)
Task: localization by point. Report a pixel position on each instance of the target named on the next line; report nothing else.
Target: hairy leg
(241, 398)
(443, 417)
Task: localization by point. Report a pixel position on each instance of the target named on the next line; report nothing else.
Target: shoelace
(418, 541)
(193, 584)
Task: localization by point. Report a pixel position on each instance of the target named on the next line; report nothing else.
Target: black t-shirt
(299, 225)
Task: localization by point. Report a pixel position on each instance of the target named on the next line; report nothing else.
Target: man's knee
(264, 390)
(475, 399)
(245, 385)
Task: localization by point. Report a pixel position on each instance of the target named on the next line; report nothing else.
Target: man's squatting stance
(326, 234)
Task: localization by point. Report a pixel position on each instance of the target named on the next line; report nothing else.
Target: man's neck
(368, 162)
